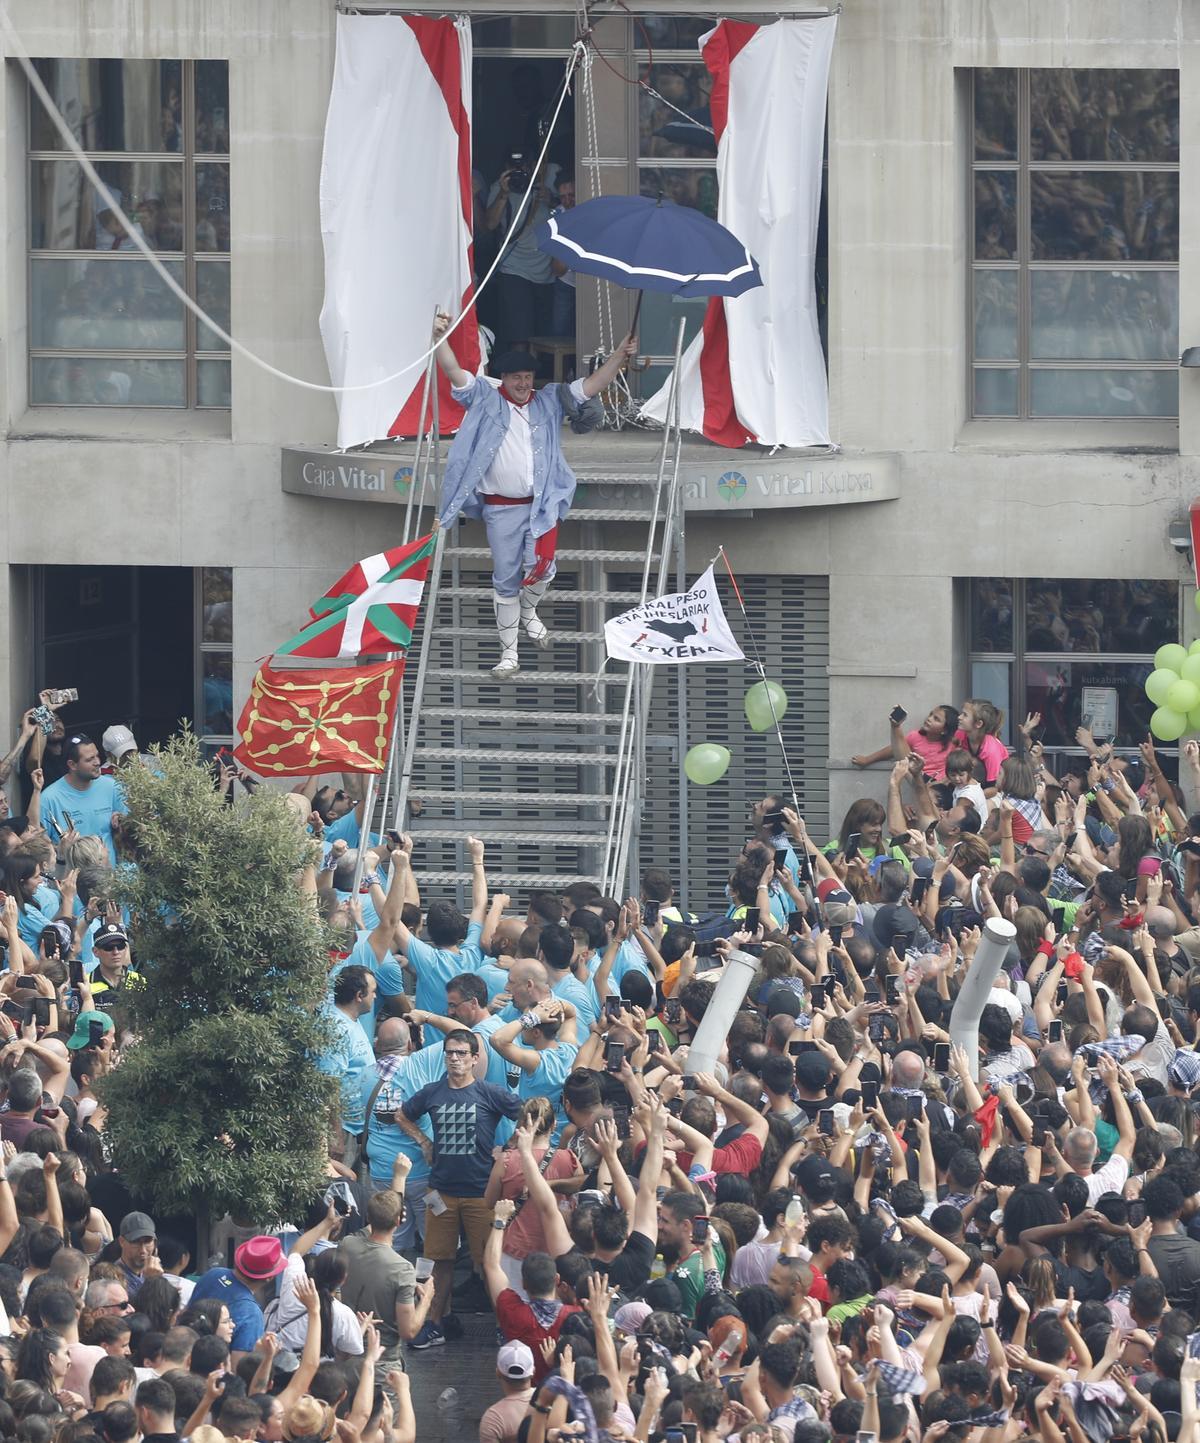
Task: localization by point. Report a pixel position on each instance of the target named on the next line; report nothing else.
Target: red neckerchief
(512, 400)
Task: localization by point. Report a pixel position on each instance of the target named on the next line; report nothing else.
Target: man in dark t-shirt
(464, 1113)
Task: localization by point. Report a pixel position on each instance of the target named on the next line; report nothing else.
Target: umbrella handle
(637, 311)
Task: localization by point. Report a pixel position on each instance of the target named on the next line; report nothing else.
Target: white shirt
(511, 471)
(1112, 1177)
(1154, 1059)
(292, 1325)
(974, 794)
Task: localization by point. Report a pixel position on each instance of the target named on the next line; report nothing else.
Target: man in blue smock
(372, 949)
(398, 1073)
(506, 466)
(83, 798)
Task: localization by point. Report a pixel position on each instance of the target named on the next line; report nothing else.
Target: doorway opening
(124, 638)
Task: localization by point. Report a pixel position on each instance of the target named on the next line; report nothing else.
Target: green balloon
(1194, 720)
(1196, 600)
(760, 699)
(707, 762)
(1159, 683)
(1171, 656)
(1168, 725)
(1190, 671)
(1183, 696)
(1194, 649)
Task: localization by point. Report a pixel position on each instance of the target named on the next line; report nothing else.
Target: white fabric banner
(689, 626)
(756, 372)
(396, 240)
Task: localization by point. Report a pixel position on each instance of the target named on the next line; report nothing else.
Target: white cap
(515, 1361)
(117, 741)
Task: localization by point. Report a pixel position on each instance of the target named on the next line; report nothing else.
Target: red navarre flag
(297, 723)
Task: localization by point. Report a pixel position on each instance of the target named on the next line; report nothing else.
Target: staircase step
(531, 799)
(575, 678)
(536, 836)
(534, 758)
(627, 598)
(555, 881)
(539, 719)
(483, 553)
(488, 633)
(605, 513)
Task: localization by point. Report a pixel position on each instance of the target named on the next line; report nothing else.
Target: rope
(35, 81)
(762, 673)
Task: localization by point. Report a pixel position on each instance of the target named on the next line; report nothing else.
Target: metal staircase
(546, 767)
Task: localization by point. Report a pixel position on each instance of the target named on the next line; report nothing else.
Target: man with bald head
(1169, 956)
(528, 985)
(1052, 1070)
(396, 1075)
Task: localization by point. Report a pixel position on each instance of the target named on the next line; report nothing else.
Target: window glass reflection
(1059, 690)
(991, 614)
(1104, 215)
(1110, 115)
(67, 213)
(663, 131)
(112, 104)
(1104, 315)
(104, 305)
(996, 114)
(1109, 616)
(995, 215)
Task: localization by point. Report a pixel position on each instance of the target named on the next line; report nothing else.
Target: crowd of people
(714, 1174)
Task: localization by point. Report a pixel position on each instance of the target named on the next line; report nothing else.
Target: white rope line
(22, 56)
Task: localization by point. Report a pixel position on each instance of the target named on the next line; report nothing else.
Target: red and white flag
(396, 215)
(756, 372)
(372, 608)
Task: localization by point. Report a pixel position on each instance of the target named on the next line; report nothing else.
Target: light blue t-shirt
(345, 829)
(388, 978)
(386, 1140)
(494, 978)
(435, 966)
(553, 1066)
(346, 1058)
(91, 809)
(582, 998)
(30, 922)
(630, 958)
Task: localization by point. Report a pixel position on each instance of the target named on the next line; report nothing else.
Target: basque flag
(372, 608)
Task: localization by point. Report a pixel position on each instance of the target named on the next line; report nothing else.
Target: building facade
(1009, 278)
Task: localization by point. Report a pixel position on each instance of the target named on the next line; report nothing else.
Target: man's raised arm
(446, 358)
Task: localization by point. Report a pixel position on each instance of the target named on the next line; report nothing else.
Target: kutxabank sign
(729, 484)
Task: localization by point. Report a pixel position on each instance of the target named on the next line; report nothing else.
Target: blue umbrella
(653, 245)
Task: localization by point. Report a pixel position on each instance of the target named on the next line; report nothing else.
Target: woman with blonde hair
(524, 1235)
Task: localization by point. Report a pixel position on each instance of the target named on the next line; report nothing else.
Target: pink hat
(260, 1258)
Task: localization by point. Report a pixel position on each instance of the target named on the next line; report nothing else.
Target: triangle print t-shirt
(464, 1123)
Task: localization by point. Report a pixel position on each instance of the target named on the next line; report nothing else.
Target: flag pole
(364, 834)
(762, 673)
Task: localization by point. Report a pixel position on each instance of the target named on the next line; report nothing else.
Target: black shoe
(451, 1327)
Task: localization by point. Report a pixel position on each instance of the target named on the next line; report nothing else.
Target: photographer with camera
(525, 278)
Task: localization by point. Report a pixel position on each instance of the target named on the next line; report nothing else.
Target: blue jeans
(412, 1224)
